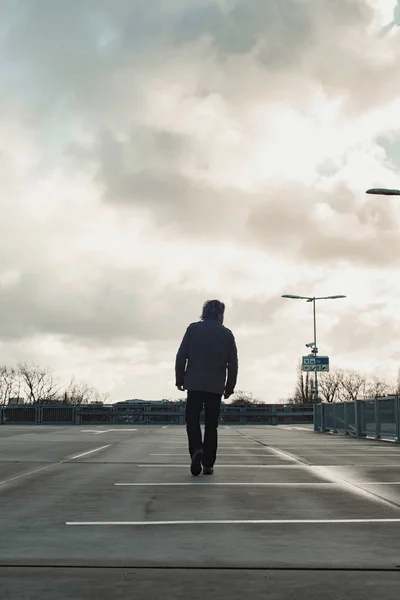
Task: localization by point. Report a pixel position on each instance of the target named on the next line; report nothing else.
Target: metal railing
(377, 419)
(148, 414)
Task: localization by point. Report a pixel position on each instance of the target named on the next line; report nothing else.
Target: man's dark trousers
(212, 406)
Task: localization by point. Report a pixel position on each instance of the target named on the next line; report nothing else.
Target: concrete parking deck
(97, 512)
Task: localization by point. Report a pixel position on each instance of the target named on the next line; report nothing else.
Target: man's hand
(180, 387)
(227, 393)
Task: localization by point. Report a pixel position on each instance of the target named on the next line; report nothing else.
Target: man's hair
(213, 309)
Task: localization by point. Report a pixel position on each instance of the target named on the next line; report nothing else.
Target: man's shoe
(195, 467)
(208, 470)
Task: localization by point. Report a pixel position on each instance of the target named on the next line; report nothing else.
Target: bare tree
(376, 388)
(329, 385)
(10, 384)
(395, 389)
(177, 400)
(304, 392)
(288, 400)
(99, 398)
(241, 398)
(353, 386)
(76, 393)
(40, 385)
(341, 385)
(81, 393)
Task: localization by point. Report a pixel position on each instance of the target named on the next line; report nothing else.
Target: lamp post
(315, 349)
(383, 192)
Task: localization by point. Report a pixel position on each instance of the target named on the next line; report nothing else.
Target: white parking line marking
(184, 465)
(283, 455)
(240, 484)
(380, 454)
(377, 482)
(89, 452)
(236, 522)
(173, 445)
(335, 447)
(29, 473)
(220, 443)
(228, 454)
(282, 466)
(100, 431)
(92, 432)
(290, 428)
(122, 429)
(61, 462)
(351, 465)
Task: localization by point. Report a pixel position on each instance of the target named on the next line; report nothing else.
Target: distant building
(137, 402)
(14, 401)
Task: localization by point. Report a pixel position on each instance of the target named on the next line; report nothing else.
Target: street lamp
(315, 349)
(383, 192)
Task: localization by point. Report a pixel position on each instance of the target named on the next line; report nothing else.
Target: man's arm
(181, 358)
(233, 366)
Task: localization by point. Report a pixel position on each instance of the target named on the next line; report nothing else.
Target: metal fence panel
(368, 427)
(127, 418)
(350, 408)
(339, 418)
(318, 418)
(269, 414)
(378, 419)
(293, 408)
(387, 417)
(20, 414)
(259, 419)
(96, 417)
(227, 418)
(330, 416)
(56, 414)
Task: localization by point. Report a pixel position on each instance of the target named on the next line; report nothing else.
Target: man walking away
(206, 366)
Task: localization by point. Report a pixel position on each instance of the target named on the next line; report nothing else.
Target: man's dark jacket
(207, 358)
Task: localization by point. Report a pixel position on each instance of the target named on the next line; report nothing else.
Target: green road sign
(315, 363)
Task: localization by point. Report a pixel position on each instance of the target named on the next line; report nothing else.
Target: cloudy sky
(155, 154)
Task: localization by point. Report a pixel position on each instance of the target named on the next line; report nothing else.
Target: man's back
(207, 352)
(210, 351)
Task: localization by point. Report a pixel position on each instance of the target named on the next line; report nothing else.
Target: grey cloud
(63, 48)
(362, 84)
(287, 224)
(277, 345)
(330, 166)
(146, 149)
(365, 336)
(329, 249)
(391, 145)
(70, 54)
(254, 311)
(114, 307)
(395, 22)
(283, 217)
(285, 27)
(146, 173)
(52, 47)
(66, 52)
(353, 72)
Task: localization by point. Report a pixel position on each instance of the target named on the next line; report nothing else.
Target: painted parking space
(277, 498)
